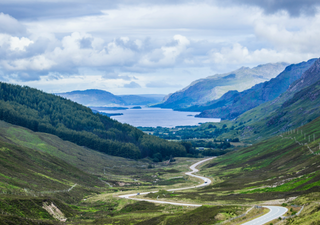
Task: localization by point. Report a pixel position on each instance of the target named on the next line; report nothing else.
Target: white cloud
(19, 43)
(10, 25)
(301, 40)
(166, 55)
(132, 84)
(152, 41)
(240, 55)
(36, 63)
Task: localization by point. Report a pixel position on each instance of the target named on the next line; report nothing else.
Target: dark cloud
(132, 84)
(293, 7)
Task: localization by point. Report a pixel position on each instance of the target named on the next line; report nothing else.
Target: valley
(62, 162)
(159, 112)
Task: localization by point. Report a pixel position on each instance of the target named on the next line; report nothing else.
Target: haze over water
(153, 117)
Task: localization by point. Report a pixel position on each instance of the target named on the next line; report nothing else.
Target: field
(39, 169)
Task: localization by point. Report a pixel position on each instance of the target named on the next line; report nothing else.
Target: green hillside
(40, 169)
(295, 107)
(24, 168)
(281, 167)
(81, 157)
(70, 121)
(233, 103)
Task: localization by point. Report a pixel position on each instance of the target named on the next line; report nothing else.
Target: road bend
(206, 181)
(274, 213)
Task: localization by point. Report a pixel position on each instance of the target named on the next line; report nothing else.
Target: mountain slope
(95, 97)
(214, 87)
(81, 157)
(280, 167)
(70, 121)
(233, 103)
(27, 171)
(297, 106)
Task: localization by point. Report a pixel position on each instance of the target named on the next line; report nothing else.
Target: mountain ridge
(97, 97)
(293, 108)
(233, 104)
(213, 87)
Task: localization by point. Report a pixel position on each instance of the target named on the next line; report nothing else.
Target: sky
(148, 47)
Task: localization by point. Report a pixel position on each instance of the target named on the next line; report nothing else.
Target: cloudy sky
(148, 46)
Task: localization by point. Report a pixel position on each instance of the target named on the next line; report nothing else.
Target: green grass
(291, 185)
(275, 161)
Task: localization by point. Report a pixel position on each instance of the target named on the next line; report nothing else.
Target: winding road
(274, 213)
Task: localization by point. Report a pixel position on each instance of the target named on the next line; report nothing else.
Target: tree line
(43, 112)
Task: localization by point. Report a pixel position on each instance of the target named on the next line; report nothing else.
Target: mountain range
(298, 105)
(213, 87)
(95, 97)
(234, 103)
(43, 168)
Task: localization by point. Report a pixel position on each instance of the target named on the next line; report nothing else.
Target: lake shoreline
(154, 117)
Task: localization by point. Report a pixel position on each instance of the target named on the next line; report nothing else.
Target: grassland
(35, 166)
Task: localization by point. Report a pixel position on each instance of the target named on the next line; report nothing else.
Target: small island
(136, 107)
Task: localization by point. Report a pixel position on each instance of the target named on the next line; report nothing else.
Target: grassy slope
(25, 168)
(29, 177)
(34, 165)
(81, 157)
(109, 168)
(286, 113)
(272, 169)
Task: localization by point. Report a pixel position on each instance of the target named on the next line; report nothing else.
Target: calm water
(153, 117)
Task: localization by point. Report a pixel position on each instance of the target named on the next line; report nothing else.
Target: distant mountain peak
(97, 97)
(213, 87)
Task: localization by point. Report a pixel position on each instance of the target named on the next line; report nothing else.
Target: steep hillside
(213, 87)
(234, 103)
(281, 167)
(85, 159)
(295, 107)
(70, 121)
(95, 97)
(28, 172)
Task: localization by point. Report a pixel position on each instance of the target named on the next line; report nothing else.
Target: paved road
(274, 213)
(207, 181)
